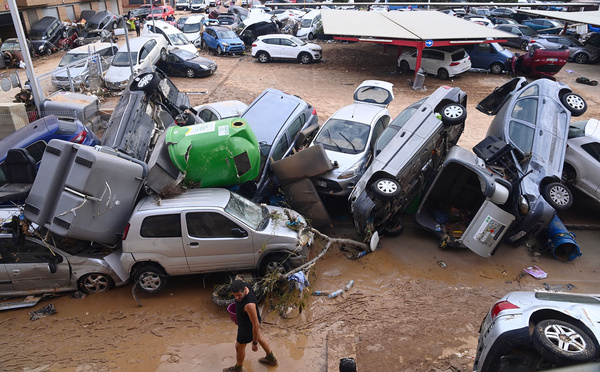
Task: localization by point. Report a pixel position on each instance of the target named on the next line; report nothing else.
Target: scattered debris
(442, 264)
(536, 272)
(43, 312)
(584, 80)
(558, 287)
(28, 301)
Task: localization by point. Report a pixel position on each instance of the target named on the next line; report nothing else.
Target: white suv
(443, 62)
(281, 46)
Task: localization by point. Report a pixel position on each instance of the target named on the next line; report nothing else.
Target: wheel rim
(404, 66)
(453, 111)
(565, 338)
(219, 50)
(496, 69)
(262, 57)
(305, 59)
(443, 74)
(144, 80)
(559, 195)
(575, 102)
(581, 58)
(387, 186)
(190, 73)
(274, 266)
(149, 281)
(95, 283)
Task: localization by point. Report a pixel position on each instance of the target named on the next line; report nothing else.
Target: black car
(45, 34)
(183, 63)
(522, 35)
(103, 21)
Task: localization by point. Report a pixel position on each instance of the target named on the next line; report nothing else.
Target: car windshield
(189, 28)
(577, 129)
(226, 20)
(297, 41)
(179, 39)
(226, 34)
(344, 136)
(248, 212)
(121, 59)
(90, 26)
(71, 57)
(7, 45)
(527, 31)
(157, 11)
(36, 35)
(521, 135)
(389, 132)
(306, 22)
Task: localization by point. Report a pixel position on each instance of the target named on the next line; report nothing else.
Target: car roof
(99, 16)
(358, 112)
(138, 42)
(220, 28)
(44, 23)
(93, 47)
(166, 27)
(192, 198)
(195, 19)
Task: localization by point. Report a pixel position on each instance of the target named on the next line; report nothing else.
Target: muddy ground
(405, 311)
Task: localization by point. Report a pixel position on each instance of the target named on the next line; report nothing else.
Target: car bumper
(495, 343)
(116, 85)
(235, 49)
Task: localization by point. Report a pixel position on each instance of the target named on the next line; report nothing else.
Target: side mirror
(236, 232)
(52, 267)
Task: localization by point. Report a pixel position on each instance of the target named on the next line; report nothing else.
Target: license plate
(552, 59)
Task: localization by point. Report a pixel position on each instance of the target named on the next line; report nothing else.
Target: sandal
(267, 361)
(232, 369)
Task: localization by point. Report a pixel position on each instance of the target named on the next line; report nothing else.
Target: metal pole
(36, 90)
(128, 47)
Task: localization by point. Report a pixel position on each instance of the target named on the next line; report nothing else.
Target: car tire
(48, 52)
(219, 50)
(263, 57)
(453, 114)
(310, 36)
(221, 301)
(203, 45)
(496, 68)
(404, 66)
(524, 45)
(163, 54)
(9, 60)
(150, 278)
(115, 25)
(581, 58)
(386, 188)
(190, 73)
(87, 82)
(574, 103)
(95, 283)
(145, 82)
(558, 196)
(443, 74)
(562, 343)
(305, 58)
(275, 263)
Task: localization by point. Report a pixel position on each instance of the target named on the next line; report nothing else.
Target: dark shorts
(244, 335)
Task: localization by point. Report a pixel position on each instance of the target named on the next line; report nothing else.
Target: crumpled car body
(407, 156)
(540, 63)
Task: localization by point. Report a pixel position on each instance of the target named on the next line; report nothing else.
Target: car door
(33, 266)
(147, 55)
(588, 178)
(289, 49)
(213, 241)
(516, 39)
(175, 65)
(210, 38)
(430, 61)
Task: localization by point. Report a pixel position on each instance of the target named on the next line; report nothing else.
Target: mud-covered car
(532, 119)
(407, 156)
(146, 108)
(582, 159)
(538, 331)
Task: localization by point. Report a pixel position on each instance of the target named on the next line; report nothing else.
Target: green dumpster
(219, 153)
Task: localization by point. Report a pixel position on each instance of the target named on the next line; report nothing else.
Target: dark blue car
(34, 136)
(490, 56)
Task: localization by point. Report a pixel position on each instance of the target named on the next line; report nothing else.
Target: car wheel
(394, 226)
(146, 82)
(305, 58)
(443, 74)
(190, 73)
(203, 45)
(453, 114)
(219, 300)
(8, 59)
(275, 263)
(496, 68)
(163, 54)
(310, 36)
(87, 82)
(95, 283)
(386, 188)
(562, 343)
(150, 278)
(219, 50)
(574, 103)
(524, 45)
(581, 58)
(263, 57)
(404, 67)
(558, 196)
(115, 25)
(48, 52)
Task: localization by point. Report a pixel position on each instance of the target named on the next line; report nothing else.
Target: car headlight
(225, 44)
(41, 47)
(314, 49)
(523, 205)
(354, 170)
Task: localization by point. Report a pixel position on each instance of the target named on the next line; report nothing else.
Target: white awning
(414, 25)
(589, 17)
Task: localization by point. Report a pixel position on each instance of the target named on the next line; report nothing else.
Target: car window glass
(36, 150)
(458, 55)
(379, 126)
(562, 297)
(593, 149)
(526, 110)
(295, 127)
(286, 42)
(577, 129)
(280, 148)
(344, 136)
(209, 225)
(27, 252)
(161, 226)
(144, 53)
(521, 136)
(531, 90)
(207, 115)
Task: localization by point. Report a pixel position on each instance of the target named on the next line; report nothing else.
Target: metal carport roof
(589, 17)
(419, 29)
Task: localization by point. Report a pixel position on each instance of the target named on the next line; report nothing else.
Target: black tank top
(242, 315)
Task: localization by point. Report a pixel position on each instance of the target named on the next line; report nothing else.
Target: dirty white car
(582, 158)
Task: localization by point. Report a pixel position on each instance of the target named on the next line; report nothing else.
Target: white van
(193, 27)
(175, 38)
(310, 25)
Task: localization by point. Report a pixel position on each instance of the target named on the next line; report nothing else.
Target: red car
(163, 12)
(540, 63)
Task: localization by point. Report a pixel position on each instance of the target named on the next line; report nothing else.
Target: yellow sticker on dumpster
(201, 128)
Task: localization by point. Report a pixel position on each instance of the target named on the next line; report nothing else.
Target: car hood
(117, 73)
(201, 61)
(189, 47)
(344, 161)
(284, 223)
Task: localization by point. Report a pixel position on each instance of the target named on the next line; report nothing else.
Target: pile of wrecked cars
(163, 183)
